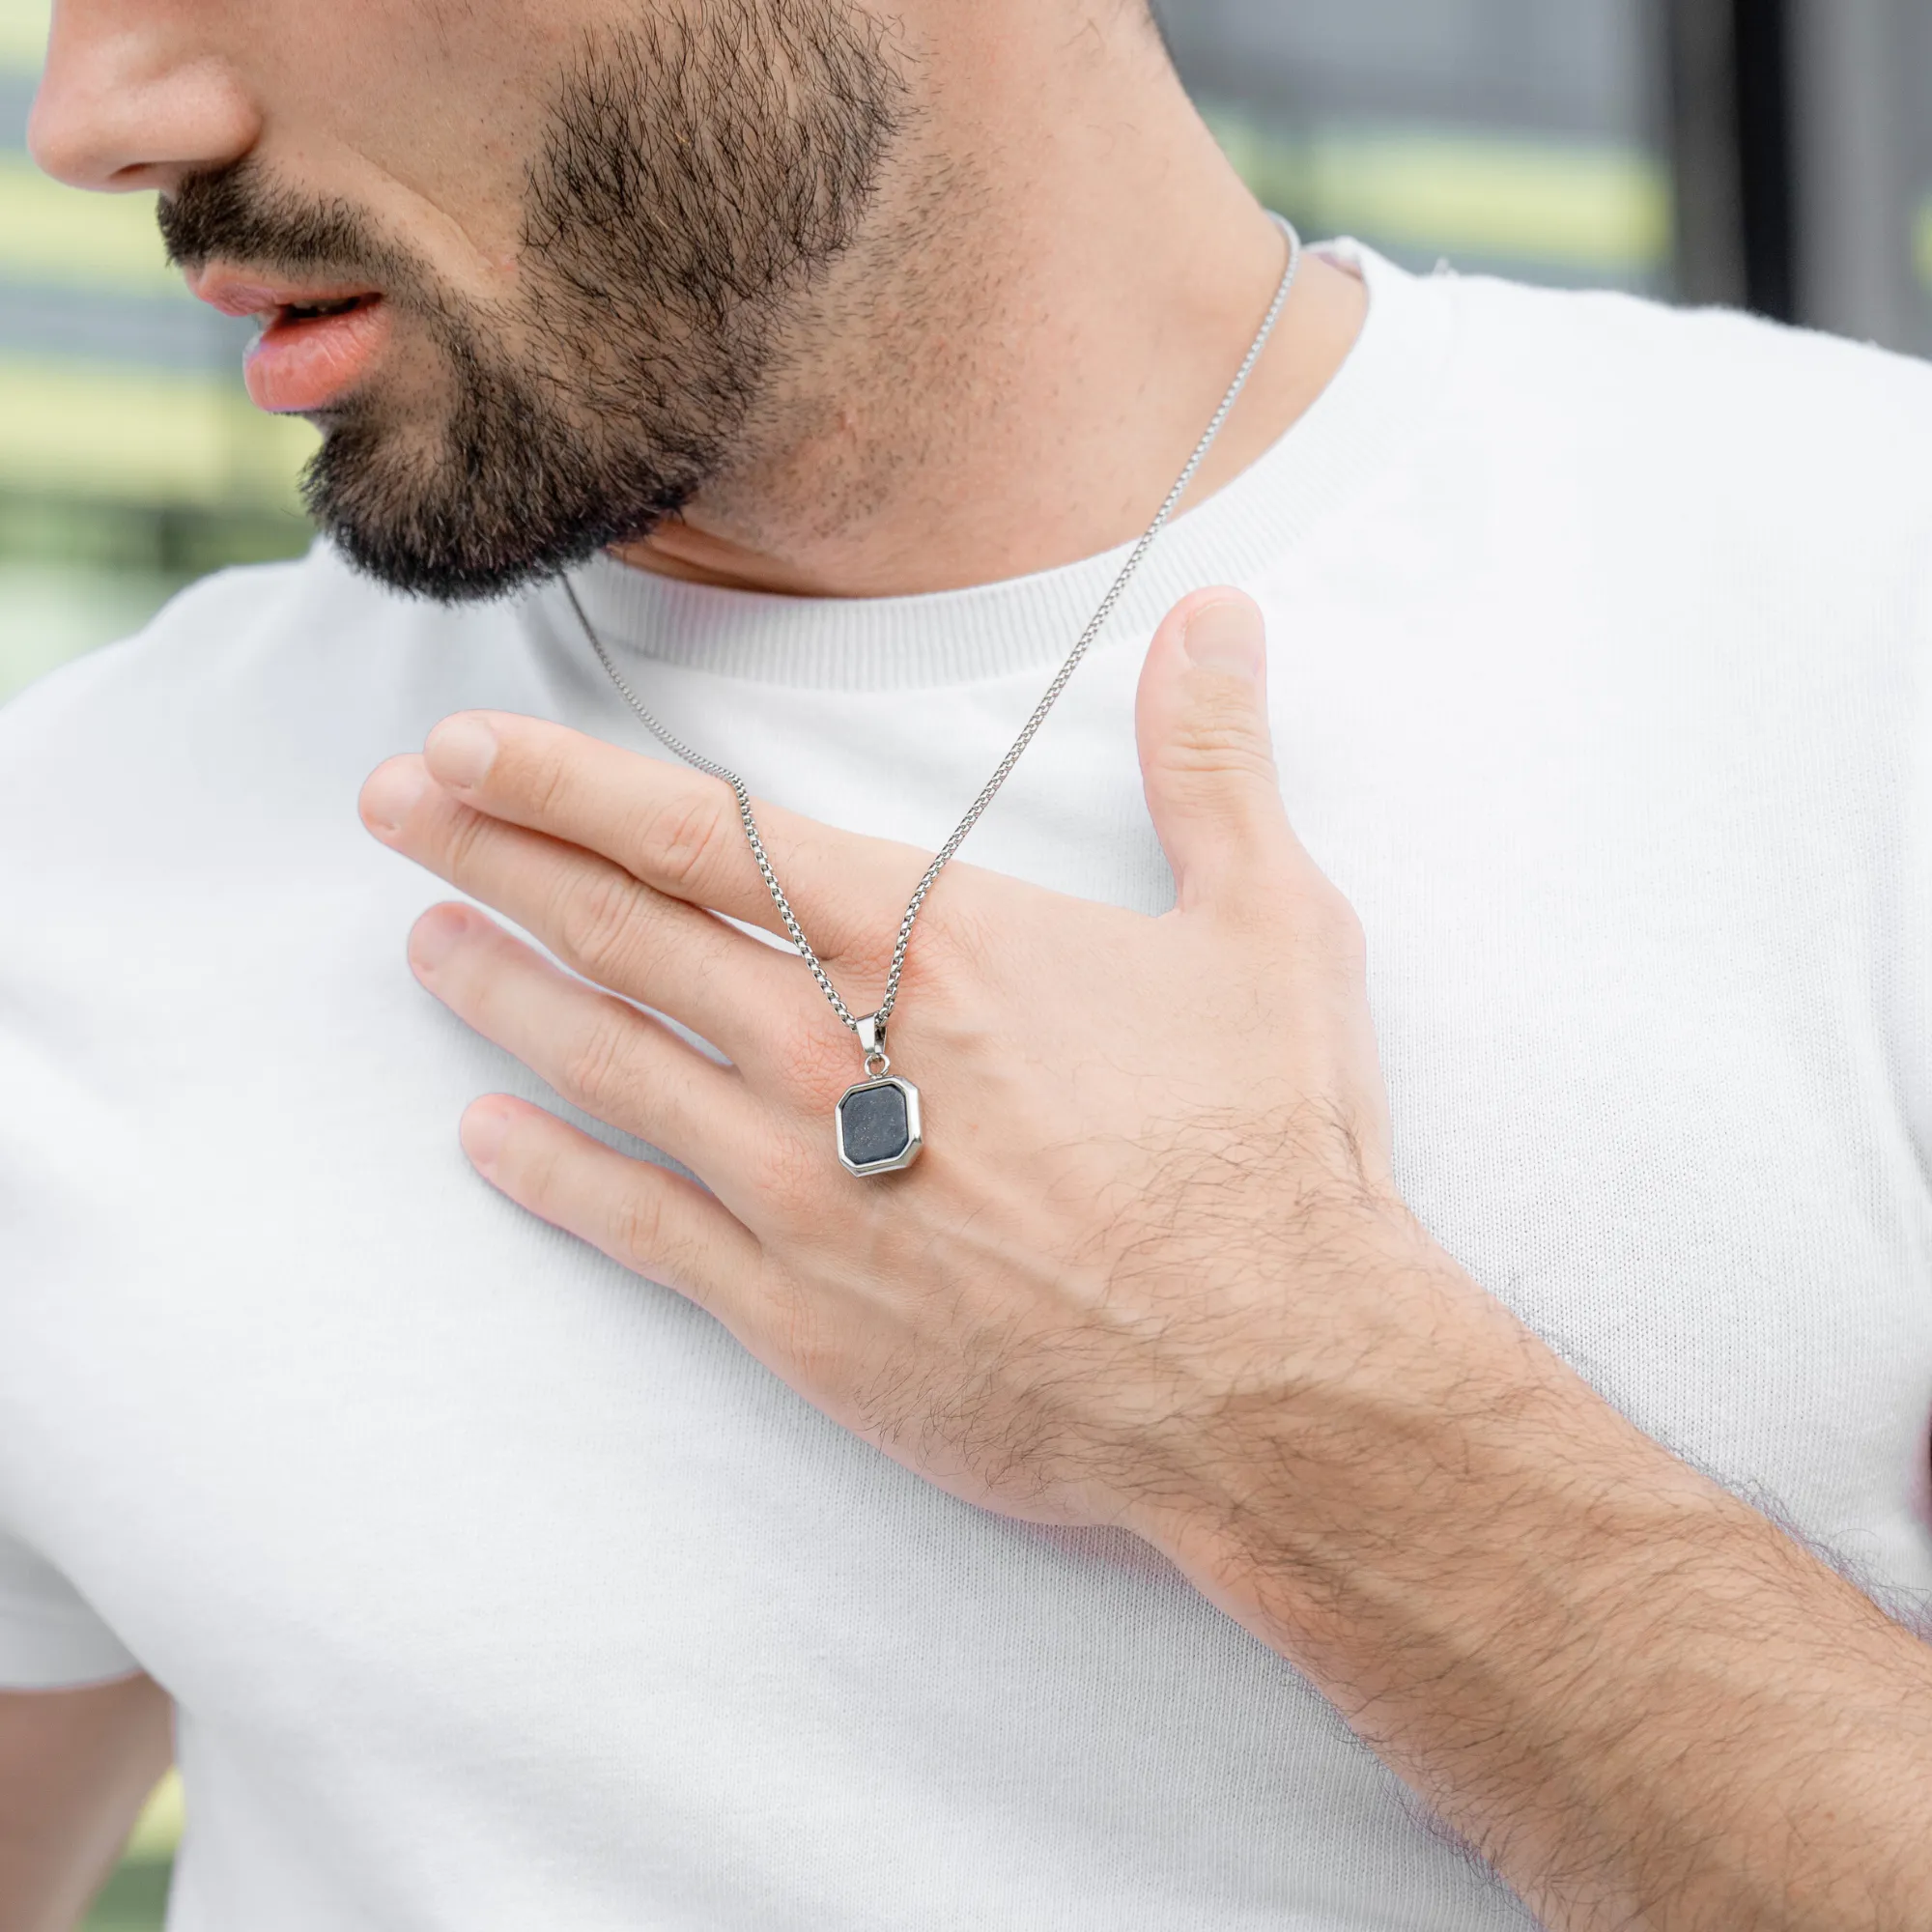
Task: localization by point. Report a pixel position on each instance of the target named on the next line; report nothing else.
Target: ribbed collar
(955, 637)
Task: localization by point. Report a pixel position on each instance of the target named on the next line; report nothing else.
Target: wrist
(1382, 1416)
(1584, 1656)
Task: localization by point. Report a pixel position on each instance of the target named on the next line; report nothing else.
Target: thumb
(1206, 756)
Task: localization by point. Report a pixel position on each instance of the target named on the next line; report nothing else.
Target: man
(1125, 1515)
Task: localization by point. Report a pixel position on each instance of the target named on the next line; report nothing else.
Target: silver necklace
(877, 1118)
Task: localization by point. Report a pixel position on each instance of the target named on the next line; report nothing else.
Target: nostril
(117, 112)
(75, 143)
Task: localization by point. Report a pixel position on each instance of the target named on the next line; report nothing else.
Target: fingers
(675, 829)
(591, 914)
(1206, 755)
(651, 1221)
(603, 1056)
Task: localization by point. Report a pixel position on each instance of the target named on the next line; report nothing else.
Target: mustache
(236, 214)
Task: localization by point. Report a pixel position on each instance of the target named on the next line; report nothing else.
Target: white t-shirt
(498, 1588)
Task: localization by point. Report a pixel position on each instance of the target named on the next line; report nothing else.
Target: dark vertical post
(1733, 148)
(1767, 155)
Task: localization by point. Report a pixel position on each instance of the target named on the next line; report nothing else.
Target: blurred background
(1776, 154)
(1769, 153)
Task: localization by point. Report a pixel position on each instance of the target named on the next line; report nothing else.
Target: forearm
(74, 1767)
(1644, 1704)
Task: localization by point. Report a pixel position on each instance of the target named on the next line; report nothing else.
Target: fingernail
(392, 793)
(461, 751)
(435, 935)
(482, 1132)
(1227, 636)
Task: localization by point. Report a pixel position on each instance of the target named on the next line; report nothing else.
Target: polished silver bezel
(898, 1161)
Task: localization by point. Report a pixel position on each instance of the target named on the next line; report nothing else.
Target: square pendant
(878, 1126)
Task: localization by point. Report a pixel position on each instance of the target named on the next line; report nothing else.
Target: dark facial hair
(698, 172)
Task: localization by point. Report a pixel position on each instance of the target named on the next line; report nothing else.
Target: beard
(698, 172)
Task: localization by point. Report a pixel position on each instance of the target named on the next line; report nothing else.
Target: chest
(315, 1383)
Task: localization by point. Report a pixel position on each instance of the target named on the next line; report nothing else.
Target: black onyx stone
(873, 1124)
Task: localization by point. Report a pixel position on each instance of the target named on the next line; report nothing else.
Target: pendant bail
(871, 1033)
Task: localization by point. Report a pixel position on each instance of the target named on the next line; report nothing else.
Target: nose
(130, 98)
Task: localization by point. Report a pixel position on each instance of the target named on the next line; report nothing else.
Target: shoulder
(262, 675)
(1789, 425)
(1712, 355)
(1751, 482)
(255, 636)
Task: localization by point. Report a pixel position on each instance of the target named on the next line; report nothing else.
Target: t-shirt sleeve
(49, 1638)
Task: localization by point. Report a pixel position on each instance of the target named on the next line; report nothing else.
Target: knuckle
(1201, 750)
(1328, 929)
(463, 836)
(639, 1231)
(598, 1073)
(685, 843)
(788, 1175)
(965, 946)
(1321, 931)
(546, 783)
(1219, 732)
(594, 921)
(817, 1058)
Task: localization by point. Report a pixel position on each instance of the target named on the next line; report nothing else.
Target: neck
(1060, 276)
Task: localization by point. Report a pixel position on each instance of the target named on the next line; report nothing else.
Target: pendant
(877, 1118)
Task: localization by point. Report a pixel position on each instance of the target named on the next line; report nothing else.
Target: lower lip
(300, 366)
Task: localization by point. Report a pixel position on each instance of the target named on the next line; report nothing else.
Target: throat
(884, 504)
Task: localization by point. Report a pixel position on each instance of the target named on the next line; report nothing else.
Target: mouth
(311, 311)
(316, 345)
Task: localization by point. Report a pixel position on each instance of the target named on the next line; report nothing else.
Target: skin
(1016, 389)
(74, 1767)
(1155, 1271)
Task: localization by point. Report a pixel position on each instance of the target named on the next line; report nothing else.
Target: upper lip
(235, 293)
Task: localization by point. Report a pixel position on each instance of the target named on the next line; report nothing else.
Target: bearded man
(1170, 1374)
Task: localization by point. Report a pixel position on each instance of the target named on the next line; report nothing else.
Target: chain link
(1003, 770)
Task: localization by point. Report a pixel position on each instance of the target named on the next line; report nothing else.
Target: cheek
(426, 114)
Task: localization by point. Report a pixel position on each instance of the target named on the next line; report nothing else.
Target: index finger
(675, 829)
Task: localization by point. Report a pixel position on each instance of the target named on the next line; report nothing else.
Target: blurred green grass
(136, 1898)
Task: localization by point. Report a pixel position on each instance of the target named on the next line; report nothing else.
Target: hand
(1157, 1148)
(1151, 1271)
